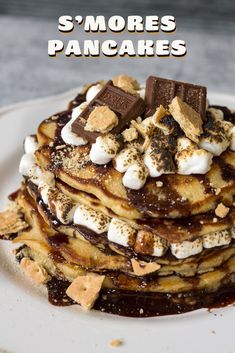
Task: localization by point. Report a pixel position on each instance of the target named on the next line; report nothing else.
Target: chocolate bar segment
(125, 105)
(160, 91)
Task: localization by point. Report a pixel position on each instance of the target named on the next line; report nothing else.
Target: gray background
(26, 71)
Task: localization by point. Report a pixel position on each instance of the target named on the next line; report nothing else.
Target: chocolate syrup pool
(134, 304)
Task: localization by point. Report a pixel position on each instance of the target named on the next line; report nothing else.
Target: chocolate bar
(160, 91)
(125, 105)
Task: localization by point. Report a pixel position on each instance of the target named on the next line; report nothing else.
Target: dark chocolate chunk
(125, 105)
(160, 91)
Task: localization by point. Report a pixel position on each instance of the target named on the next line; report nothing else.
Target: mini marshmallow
(156, 163)
(61, 205)
(27, 163)
(93, 91)
(68, 136)
(126, 158)
(159, 247)
(104, 149)
(219, 238)
(30, 144)
(121, 233)
(141, 92)
(186, 248)
(214, 145)
(216, 113)
(135, 176)
(232, 232)
(91, 219)
(193, 161)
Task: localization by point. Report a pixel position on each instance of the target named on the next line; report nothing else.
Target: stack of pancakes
(168, 251)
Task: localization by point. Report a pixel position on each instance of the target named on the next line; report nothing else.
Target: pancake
(128, 213)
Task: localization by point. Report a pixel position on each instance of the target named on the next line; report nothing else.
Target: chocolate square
(161, 91)
(125, 105)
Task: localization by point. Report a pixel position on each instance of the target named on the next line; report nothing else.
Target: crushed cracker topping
(101, 119)
(221, 210)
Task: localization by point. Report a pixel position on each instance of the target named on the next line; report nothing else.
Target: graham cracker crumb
(221, 210)
(188, 119)
(142, 268)
(159, 184)
(85, 290)
(116, 343)
(130, 134)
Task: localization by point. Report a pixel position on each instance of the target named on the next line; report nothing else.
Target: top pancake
(180, 196)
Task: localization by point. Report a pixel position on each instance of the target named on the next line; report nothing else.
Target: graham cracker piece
(37, 273)
(142, 268)
(85, 289)
(188, 119)
(127, 83)
(158, 115)
(221, 210)
(101, 119)
(11, 222)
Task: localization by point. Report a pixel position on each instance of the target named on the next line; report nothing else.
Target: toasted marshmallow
(157, 163)
(159, 246)
(91, 219)
(193, 161)
(30, 144)
(232, 232)
(214, 144)
(121, 233)
(147, 125)
(44, 190)
(68, 136)
(216, 113)
(104, 149)
(231, 136)
(93, 91)
(126, 158)
(186, 248)
(183, 143)
(61, 206)
(135, 176)
(219, 238)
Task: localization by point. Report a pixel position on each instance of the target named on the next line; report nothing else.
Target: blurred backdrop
(26, 71)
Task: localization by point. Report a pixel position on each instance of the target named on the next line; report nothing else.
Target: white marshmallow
(44, 190)
(68, 136)
(30, 144)
(93, 91)
(217, 113)
(186, 248)
(193, 161)
(159, 248)
(27, 163)
(232, 138)
(62, 206)
(104, 149)
(94, 220)
(212, 145)
(135, 176)
(78, 110)
(120, 232)
(126, 158)
(232, 232)
(219, 238)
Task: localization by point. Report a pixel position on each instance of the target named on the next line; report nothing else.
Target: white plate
(29, 324)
